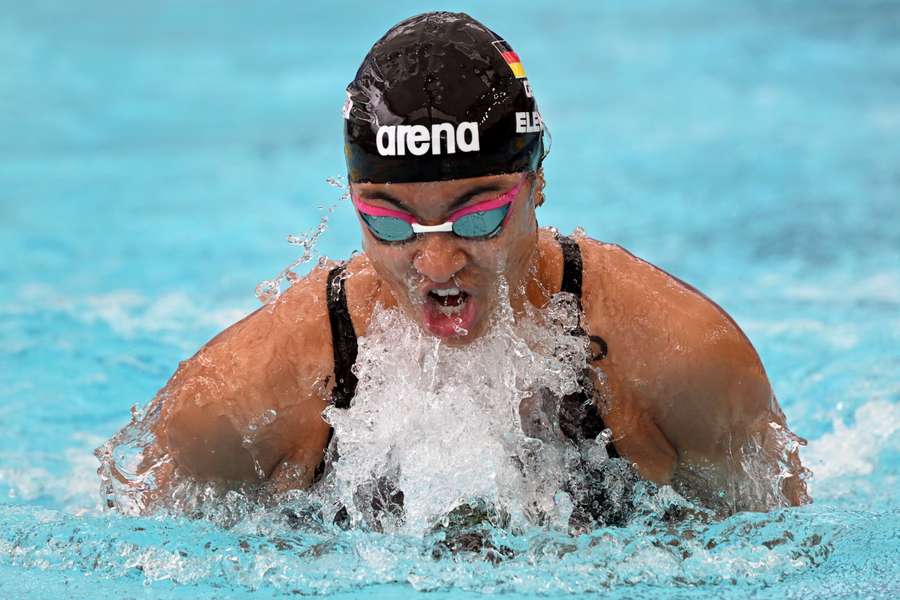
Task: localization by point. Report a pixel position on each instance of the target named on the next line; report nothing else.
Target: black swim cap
(440, 97)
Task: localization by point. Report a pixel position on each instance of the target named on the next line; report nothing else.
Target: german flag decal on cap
(511, 58)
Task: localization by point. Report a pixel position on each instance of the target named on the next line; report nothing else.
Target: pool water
(155, 156)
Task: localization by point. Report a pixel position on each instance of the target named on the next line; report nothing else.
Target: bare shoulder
(620, 288)
(255, 392)
(286, 336)
(683, 357)
(690, 398)
(280, 342)
(364, 291)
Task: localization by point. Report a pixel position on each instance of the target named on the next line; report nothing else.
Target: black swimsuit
(579, 418)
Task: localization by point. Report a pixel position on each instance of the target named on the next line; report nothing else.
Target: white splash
(74, 489)
(854, 449)
(127, 312)
(443, 424)
(269, 290)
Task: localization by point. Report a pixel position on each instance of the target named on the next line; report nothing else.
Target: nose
(439, 257)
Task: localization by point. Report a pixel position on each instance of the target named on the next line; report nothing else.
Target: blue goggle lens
(477, 225)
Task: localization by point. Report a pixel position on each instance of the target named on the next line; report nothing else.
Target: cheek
(392, 263)
(519, 256)
(516, 244)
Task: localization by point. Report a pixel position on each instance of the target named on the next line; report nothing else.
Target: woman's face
(447, 284)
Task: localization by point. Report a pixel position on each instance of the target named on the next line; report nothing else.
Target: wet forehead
(434, 197)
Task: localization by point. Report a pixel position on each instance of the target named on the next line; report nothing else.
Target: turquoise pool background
(153, 157)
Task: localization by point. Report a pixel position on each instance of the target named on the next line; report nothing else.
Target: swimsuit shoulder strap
(343, 341)
(343, 338)
(572, 267)
(572, 282)
(582, 418)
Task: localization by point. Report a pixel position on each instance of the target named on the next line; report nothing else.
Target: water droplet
(268, 290)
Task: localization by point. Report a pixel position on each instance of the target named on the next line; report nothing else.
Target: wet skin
(684, 389)
(409, 271)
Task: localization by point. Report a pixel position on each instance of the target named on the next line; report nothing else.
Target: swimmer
(444, 146)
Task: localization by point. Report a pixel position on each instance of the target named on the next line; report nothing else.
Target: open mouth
(449, 301)
(449, 312)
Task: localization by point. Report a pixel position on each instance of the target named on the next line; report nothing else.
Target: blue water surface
(154, 156)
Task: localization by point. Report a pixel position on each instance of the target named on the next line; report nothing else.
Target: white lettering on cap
(528, 122)
(470, 127)
(449, 136)
(418, 140)
(385, 138)
(398, 140)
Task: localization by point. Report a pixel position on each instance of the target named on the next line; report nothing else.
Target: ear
(539, 187)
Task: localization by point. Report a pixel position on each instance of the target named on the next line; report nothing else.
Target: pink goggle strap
(379, 211)
(491, 204)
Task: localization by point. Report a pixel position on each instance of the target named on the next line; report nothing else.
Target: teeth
(447, 292)
(451, 310)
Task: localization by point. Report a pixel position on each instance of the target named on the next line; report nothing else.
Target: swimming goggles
(478, 221)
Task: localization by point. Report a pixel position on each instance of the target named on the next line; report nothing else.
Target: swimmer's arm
(249, 400)
(734, 449)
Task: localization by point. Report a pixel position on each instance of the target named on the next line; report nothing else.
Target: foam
(74, 490)
(839, 337)
(877, 287)
(853, 449)
(127, 312)
(443, 423)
